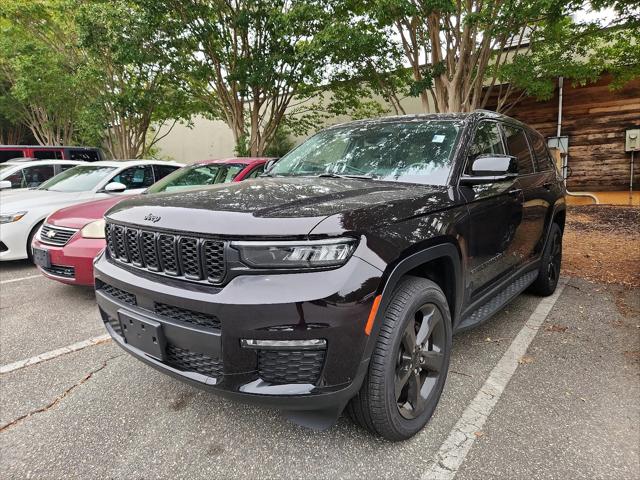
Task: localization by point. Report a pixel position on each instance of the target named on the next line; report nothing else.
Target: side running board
(492, 306)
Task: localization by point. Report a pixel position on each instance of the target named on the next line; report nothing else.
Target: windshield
(197, 176)
(5, 167)
(416, 152)
(83, 178)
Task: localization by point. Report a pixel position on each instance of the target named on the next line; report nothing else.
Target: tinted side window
(17, 180)
(35, 175)
(163, 170)
(9, 154)
(486, 140)
(543, 159)
(85, 155)
(518, 146)
(47, 154)
(255, 172)
(135, 177)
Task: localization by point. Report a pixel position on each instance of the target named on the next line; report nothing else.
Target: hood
(281, 206)
(77, 216)
(26, 199)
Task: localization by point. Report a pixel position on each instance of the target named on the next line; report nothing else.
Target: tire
(549, 273)
(397, 412)
(32, 234)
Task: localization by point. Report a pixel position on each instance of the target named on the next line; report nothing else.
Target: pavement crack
(60, 397)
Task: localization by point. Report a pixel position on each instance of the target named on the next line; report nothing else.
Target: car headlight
(11, 217)
(296, 254)
(93, 229)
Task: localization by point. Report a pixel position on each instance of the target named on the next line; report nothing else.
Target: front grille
(188, 257)
(188, 361)
(60, 271)
(57, 236)
(187, 316)
(290, 366)
(120, 295)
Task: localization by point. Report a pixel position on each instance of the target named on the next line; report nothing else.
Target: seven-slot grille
(58, 236)
(185, 256)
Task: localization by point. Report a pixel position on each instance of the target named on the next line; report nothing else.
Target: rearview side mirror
(5, 184)
(270, 164)
(115, 187)
(490, 168)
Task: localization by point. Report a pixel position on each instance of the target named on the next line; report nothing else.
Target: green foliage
(280, 145)
(257, 64)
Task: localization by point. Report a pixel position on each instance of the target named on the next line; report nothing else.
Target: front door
(495, 216)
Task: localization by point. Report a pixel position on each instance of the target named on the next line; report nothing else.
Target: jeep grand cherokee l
(339, 278)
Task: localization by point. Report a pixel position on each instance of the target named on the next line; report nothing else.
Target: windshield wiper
(342, 175)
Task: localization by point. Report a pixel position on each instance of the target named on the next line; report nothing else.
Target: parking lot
(569, 410)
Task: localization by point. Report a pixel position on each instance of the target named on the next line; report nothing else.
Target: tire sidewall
(409, 427)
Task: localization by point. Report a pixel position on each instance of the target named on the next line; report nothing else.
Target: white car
(22, 212)
(31, 173)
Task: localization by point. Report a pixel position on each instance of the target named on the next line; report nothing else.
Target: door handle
(547, 185)
(515, 192)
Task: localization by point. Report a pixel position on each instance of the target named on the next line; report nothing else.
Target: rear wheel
(409, 364)
(549, 273)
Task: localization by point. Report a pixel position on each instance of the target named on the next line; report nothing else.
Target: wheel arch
(440, 263)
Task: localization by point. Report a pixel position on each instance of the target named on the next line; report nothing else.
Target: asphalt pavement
(570, 410)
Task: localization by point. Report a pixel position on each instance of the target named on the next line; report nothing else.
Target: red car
(82, 226)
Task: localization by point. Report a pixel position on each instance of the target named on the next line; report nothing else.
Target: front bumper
(13, 239)
(331, 305)
(73, 263)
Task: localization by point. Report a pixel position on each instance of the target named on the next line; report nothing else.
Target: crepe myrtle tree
(136, 88)
(259, 64)
(43, 85)
(451, 45)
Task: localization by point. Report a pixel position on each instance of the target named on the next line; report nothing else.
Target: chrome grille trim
(61, 235)
(179, 256)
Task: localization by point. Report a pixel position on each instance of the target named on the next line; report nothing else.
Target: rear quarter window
(543, 159)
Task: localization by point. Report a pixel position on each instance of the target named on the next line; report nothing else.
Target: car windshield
(409, 151)
(82, 178)
(5, 167)
(196, 176)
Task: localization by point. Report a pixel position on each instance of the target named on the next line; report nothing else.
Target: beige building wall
(213, 139)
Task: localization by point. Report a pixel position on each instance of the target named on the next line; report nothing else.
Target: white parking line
(455, 448)
(12, 367)
(20, 279)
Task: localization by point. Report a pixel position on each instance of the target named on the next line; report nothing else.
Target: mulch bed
(602, 244)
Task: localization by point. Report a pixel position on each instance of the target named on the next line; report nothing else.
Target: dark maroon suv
(338, 279)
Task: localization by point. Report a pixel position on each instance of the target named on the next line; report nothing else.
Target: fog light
(313, 344)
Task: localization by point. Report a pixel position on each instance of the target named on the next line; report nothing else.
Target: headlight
(11, 217)
(93, 229)
(296, 254)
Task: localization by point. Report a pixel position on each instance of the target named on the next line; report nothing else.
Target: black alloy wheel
(550, 263)
(409, 363)
(420, 360)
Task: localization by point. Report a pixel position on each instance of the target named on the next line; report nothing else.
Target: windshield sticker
(437, 139)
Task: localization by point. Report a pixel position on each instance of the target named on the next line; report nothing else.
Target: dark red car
(49, 152)
(83, 224)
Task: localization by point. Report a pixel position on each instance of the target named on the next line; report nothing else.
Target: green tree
(257, 64)
(44, 84)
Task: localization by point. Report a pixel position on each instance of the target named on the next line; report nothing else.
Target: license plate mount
(41, 257)
(143, 333)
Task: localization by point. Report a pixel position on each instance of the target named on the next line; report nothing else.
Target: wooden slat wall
(595, 119)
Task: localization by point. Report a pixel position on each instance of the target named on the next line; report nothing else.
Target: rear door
(531, 184)
(495, 215)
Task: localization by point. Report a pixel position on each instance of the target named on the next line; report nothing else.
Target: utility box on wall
(632, 140)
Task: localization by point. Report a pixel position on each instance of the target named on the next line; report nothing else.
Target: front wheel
(409, 364)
